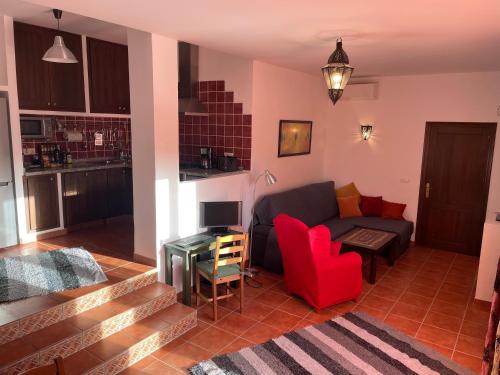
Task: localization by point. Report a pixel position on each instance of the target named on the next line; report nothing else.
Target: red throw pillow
(371, 206)
(391, 210)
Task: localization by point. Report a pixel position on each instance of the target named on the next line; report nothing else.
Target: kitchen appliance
(188, 78)
(37, 127)
(228, 163)
(8, 222)
(206, 157)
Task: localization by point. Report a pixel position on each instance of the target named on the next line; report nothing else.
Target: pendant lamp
(59, 53)
(337, 72)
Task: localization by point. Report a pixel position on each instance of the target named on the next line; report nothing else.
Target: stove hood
(188, 78)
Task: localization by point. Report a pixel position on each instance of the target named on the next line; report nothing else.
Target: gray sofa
(313, 204)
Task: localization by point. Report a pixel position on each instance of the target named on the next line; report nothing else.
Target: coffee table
(371, 242)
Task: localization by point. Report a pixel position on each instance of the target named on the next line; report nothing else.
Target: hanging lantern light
(59, 53)
(337, 72)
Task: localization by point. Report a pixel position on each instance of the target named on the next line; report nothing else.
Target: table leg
(373, 268)
(186, 280)
(168, 268)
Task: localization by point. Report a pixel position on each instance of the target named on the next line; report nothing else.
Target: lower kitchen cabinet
(42, 202)
(119, 192)
(95, 195)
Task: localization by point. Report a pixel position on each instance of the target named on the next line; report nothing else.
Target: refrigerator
(8, 220)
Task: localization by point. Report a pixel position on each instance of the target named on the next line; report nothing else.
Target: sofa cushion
(349, 206)
(401, 227)
(348, 191)
(338, 227)
(371, 206)
(311, 204)
(391, 210)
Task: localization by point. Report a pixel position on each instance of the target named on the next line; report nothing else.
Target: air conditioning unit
(360, 91)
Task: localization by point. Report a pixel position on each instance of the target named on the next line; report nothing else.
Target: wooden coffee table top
(369, 239)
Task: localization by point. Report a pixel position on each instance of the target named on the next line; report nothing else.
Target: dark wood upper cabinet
(43, 85)
(42, 203)
(67, 87)
(108, 77)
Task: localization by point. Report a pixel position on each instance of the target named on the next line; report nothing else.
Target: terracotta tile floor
(112, 247)
(427, 294)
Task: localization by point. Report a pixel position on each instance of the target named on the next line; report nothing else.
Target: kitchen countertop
(79, 166)
(192, 174)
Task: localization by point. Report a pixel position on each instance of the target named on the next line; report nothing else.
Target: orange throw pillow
(348, 191)
(349, 206)
(391, 210)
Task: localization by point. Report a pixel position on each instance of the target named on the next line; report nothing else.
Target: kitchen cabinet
(96, 195)
(108, 77)
(44, 85)
(84, 196)
(119, 192)
(42, 202)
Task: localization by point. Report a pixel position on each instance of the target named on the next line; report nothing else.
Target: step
(123, 349)
(121, 280)
(80, 331)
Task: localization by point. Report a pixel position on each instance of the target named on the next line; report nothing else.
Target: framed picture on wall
(294, 138)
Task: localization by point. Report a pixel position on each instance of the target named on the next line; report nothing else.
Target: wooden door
(66, 80)
(33, 82)
(96, 186)
(117, 194)
(42, 203)
(74, 198)
(122, 78)
(108, 77)
(454, 185)
(130, 191)
(45, 85)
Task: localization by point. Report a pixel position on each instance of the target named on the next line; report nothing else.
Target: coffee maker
(206, 157)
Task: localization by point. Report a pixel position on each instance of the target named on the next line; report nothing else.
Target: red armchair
(313, 267)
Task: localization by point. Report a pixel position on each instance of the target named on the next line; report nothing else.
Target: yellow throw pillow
(348, 191)
(349, 207)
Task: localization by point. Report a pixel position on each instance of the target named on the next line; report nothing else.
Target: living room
(412, 70)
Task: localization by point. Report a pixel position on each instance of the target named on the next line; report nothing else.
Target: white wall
(235, 70)
(9, 73)
(389, 164)
(153, 89)
(283, 94)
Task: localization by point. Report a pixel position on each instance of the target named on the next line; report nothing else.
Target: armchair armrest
(342, 268)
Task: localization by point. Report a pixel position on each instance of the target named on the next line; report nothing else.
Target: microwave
(37, 127)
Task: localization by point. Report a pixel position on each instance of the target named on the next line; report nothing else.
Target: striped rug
(52, 271)
(354, 343)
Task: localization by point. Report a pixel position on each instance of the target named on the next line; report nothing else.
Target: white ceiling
(42, 16)
(382, 37)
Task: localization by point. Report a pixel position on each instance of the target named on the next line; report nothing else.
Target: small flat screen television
(218, 216)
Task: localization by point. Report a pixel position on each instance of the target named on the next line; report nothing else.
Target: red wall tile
(86, 149)
(225, 127)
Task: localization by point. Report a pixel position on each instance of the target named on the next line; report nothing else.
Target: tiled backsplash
(225, 128)
(86, 149)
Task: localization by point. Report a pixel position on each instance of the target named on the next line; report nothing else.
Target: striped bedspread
(351, 344)
(52, 271)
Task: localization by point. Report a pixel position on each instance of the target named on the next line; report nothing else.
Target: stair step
(75, 333)
(122, 280)
(123, 349)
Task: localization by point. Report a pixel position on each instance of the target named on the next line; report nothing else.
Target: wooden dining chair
(227, 266)
(56, 368)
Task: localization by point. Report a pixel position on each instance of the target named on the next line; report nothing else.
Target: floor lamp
(270, 180)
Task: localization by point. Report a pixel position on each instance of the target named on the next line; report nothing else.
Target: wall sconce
(366, 131)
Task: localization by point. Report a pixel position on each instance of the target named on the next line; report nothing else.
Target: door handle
(427, 190)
